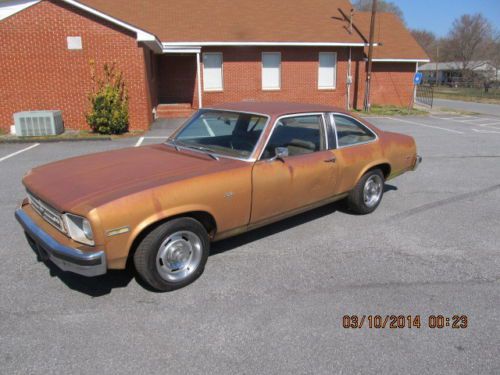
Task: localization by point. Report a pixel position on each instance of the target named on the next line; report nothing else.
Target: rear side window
(299, 134)
(351, 132)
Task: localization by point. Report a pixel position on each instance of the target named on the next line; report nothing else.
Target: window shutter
(271, 70)
(327, 73)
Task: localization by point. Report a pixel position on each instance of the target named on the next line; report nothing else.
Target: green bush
(108, 102)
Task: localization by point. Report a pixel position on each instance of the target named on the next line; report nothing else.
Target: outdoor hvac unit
(38, 123)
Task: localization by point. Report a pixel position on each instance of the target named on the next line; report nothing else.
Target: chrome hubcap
(372, 190)
(179, 256)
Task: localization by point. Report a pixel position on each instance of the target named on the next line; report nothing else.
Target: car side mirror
(280, 153)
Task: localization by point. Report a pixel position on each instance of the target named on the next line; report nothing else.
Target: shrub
(109, 102)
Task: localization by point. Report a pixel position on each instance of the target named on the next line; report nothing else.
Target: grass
(391, 110)
(70, 135)
(469, 94)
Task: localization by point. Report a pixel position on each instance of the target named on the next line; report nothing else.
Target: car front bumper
(66, 258)
(418, 160)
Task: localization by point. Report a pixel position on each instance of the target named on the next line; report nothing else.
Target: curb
(17, 140)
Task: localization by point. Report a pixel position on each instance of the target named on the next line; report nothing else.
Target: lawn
(469, 94)
(391, 110)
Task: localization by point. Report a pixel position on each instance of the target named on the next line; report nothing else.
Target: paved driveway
(272, 301)
(483, 108)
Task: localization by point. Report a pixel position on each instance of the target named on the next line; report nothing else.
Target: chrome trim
(332, 118)
(49, 214)
(418, 160)
(300, 114)
(66, 258)
(250, 159)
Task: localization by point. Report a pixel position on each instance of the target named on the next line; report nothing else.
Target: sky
(438, 15)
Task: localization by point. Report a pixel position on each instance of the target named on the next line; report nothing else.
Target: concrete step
(176, 110)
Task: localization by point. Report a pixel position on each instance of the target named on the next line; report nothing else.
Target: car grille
(50, 215)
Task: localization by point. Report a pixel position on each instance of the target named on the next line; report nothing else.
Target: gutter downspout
(349, 81)
(198, 73)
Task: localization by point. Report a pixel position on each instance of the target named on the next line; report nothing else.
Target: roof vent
(38, 123)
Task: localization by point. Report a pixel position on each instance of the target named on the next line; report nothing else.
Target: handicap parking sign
(417, 79)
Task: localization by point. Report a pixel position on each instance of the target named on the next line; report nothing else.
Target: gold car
(228, 170)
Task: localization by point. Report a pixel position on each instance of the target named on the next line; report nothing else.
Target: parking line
(427, 126)
(139, 142)
(18, 152)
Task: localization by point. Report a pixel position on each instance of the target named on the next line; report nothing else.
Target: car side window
(299, 134)
(351, 131)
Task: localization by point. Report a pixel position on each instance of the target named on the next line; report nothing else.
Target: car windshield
(225, 133)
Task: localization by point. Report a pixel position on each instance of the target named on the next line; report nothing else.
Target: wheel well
(206, 219)
(384, 167)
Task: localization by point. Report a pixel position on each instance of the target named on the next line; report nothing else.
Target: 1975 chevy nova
(228, 170)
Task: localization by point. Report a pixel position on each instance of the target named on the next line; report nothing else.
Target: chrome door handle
(333, 159)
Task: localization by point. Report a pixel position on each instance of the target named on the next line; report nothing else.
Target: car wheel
(173, 254)
(367, 194)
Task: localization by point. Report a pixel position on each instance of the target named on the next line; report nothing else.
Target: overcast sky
(438, 15)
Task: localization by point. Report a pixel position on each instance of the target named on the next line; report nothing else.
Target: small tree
(109, 102)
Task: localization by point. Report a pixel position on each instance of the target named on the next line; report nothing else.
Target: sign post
(417, 80)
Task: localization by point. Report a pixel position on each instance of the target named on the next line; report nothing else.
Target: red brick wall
(242, 72)
(392, 83)
(38, 72)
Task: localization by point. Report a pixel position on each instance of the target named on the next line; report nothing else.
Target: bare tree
(383, 6)
(468, 41)
(427, 41)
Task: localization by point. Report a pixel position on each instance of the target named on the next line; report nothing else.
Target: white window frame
(212, 89)
(262, 72)
(329, 87)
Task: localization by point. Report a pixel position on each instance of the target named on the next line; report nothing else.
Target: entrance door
(177, 78)
(306, 176)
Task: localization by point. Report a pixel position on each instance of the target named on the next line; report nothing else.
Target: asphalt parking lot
(272, 301)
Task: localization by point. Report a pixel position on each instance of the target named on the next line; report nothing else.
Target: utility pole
(367, 104)
(437, 62)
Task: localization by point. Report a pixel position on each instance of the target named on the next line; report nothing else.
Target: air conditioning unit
(38, 123)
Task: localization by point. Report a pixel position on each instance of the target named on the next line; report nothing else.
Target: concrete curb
(17, 140)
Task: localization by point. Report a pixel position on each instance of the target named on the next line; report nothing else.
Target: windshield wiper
(201, 148)
(173, 143)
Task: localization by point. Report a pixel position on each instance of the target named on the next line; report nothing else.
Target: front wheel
(173, 255)
(367, 194)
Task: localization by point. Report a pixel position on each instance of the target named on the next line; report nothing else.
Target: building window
(271, 71)
(212, 71)
(327, 71)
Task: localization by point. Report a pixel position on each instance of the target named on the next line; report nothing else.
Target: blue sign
(417, 79)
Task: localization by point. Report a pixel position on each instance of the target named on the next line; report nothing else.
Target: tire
(173, 254)
(367, 194)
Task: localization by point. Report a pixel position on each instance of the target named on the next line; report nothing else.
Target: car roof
(275, 108)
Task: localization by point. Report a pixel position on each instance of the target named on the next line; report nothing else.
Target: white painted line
(486, 131)
(18, 152)
(209, 129)
(139, 142)
(427, 126)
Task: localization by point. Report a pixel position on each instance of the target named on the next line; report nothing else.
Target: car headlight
(79, 229)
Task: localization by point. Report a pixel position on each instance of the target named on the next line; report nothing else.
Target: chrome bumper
(66, 258)
(418, 160)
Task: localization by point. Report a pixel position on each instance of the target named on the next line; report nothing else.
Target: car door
(357, 147)
(306, 176)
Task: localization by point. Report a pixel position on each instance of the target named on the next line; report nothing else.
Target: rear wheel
(173, 255)
(367, 194)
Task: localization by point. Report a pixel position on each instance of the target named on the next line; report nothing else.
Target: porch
(177, 87)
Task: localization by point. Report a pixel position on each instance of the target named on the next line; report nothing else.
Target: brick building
(177, 56)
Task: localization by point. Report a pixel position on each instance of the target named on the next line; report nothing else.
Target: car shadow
(102, 285)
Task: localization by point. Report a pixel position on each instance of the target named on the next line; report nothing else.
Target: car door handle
(333, 159)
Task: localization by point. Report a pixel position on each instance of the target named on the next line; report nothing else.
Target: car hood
(95, 179)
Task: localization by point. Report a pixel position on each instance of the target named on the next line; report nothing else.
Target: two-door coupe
(228, 170)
